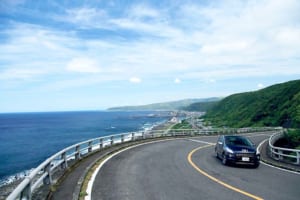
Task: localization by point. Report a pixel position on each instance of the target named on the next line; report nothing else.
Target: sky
(58, 55)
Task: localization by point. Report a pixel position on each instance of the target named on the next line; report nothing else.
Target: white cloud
(84, 65)
(225, 48)
(24, 74)
(177, 80)
(135, 80)
(289, 37)
(229, 33)
(211, 80)
(143, 11)
(240, 38)
(260, 86)
(108, 43)
(85, 17)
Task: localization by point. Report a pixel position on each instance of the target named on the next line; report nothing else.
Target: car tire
(256, 165)
(216, 153)
(224, 160)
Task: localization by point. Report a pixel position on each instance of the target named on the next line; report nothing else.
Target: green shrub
(293, 137)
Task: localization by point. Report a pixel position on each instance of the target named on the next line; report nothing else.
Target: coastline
(163, 126)
(10, 183)
(6, 189)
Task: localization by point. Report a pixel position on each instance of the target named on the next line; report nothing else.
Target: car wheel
(256, 165)
(224, 160)
(216, 153)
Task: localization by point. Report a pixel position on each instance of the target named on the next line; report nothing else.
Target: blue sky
(90, 55)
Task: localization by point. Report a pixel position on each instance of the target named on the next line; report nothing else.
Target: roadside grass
(87, 178)
(183, 125)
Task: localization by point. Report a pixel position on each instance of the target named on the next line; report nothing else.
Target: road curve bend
(172, 170)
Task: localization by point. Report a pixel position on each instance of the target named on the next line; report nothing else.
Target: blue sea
(27, 139)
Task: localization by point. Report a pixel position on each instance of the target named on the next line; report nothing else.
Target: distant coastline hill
(170, 106)
(277, 105)
(201, 106)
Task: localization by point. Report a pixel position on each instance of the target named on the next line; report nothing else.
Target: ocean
(27, 139)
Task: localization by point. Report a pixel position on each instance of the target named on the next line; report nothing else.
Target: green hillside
(201, 106)
(173, 105)
(277, 105)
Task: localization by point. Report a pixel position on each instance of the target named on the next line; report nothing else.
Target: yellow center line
(215, 179)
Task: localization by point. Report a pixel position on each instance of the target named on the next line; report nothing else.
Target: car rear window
(237, 141)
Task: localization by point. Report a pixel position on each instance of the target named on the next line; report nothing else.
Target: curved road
(188, 169)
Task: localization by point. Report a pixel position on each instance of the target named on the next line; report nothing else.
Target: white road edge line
(93, 177)
(200, 141)
(259, 146)
(262, 162)
(286, 170)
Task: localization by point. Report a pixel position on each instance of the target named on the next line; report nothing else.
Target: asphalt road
(162, 170)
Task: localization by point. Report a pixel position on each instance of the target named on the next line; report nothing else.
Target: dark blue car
(236, 149)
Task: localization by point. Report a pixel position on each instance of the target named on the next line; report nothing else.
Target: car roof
(230, 136)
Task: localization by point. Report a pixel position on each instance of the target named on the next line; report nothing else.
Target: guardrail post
(132, 136)
(280, 157)
(101, 143)
(164, 133)
(90, 146)
(143, 135)
(275, 153)
(298, 158)
(271, 151)
(26, 193)
(64, 165)
(191, 133)
(77, 152)
(122, 138)
(112, 140)
(48, 179)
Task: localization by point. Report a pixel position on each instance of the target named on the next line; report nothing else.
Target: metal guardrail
(283, 154)
(61, 161)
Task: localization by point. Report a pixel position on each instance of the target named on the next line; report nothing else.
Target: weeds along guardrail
(62, 160)
(291, 156)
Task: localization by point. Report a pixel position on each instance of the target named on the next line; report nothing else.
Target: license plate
(245, 159)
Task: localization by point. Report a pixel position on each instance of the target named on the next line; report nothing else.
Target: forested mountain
(172, 105)
(277, 105)
(201, 106)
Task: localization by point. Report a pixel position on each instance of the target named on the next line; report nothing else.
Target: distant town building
(175, 120)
